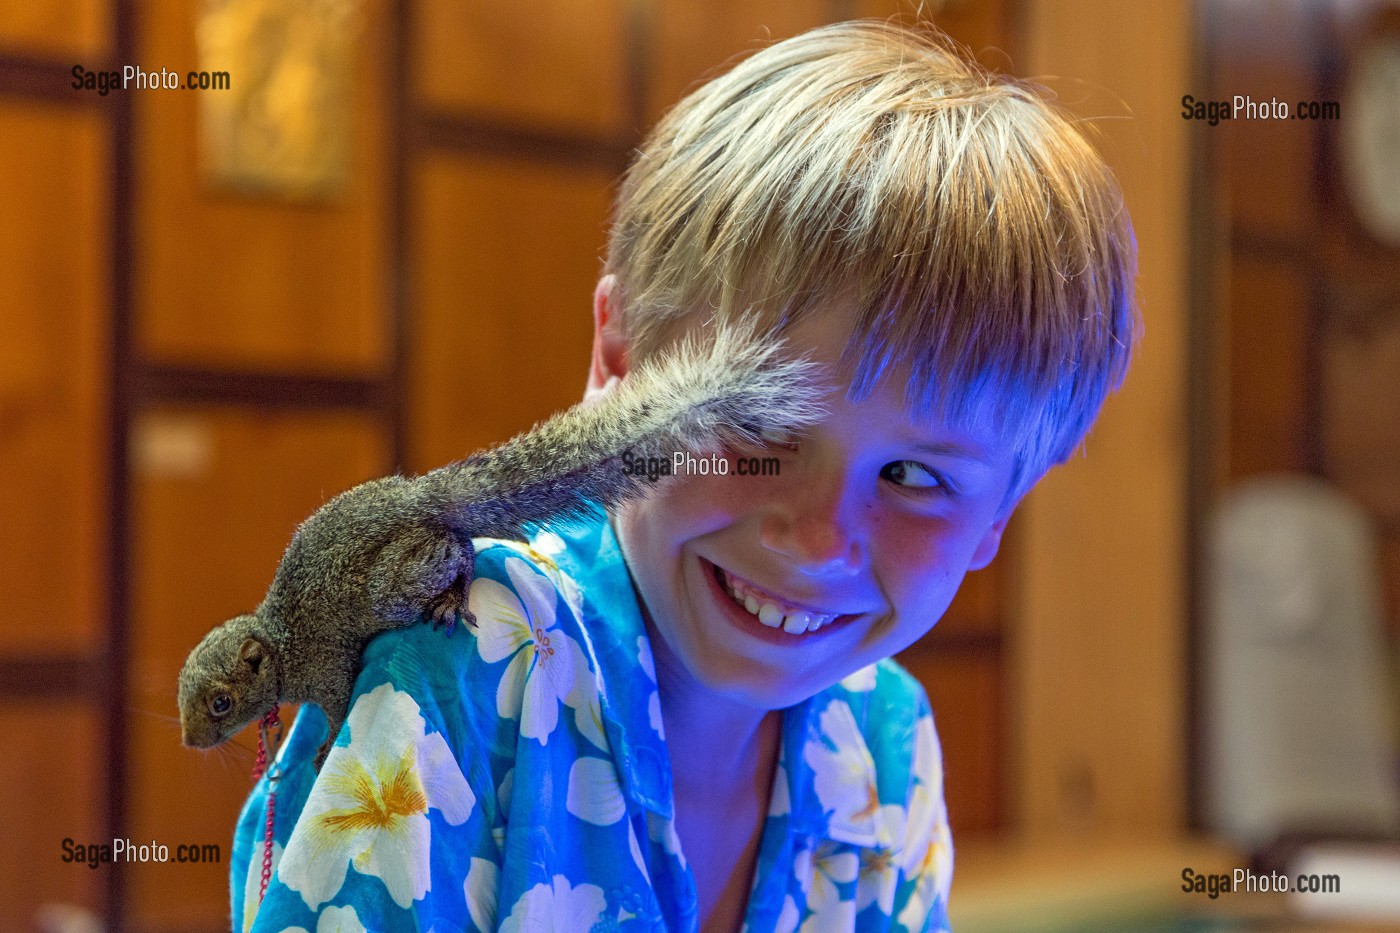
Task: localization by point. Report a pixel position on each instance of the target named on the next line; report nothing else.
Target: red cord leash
(259, 768)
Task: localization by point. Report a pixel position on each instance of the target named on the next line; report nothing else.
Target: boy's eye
(913, 475)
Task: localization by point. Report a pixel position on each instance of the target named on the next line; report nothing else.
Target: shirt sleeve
(926, 859)
(403, 828)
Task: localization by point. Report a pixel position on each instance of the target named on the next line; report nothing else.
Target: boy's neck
(718, 751)
(712, 740)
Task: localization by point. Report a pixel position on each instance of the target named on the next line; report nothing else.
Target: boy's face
(869, 527)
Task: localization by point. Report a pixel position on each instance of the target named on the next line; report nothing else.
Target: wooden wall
(1100, 630)
(56, 207)
(188, 371)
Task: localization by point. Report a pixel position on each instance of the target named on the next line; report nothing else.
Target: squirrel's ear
(252, 653)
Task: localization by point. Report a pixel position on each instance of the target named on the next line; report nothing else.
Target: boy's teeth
(769, 614)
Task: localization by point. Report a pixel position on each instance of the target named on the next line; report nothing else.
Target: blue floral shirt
(516, 778)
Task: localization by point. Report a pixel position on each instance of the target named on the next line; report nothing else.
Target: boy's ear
(991, 541)
(609, 360)
(987, 548)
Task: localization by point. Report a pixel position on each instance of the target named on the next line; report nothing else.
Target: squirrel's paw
(450, 607)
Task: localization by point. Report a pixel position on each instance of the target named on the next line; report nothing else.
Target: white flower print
(546, 908)
(928, 847)
(370, 804)
(879, 867)
(932, 871)
(339, 920)
(861, 681)
(654, 700)
(595, 795)
(335, 920)
(820, 871)
(845, 780)
(928, 758)
(780, 804)
(545, 548)
(588, 711)
(663, 831)
(546, 665)
(253, 886)
(787, 919)
(504, 791)
(543, 551)
(480, 889)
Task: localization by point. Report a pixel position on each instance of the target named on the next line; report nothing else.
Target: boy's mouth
(769, 609)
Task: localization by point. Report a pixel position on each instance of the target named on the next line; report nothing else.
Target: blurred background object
(197, 354)
(284, 127)
(1299, 736)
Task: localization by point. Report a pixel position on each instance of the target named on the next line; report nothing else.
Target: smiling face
(862, 538)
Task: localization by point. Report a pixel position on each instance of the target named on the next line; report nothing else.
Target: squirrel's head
(229, 680)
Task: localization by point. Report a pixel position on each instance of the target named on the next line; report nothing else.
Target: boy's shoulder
(891, 710)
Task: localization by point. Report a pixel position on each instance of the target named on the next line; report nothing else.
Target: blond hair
(975, 237)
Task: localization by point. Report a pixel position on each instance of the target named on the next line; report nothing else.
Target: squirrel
(394, 550)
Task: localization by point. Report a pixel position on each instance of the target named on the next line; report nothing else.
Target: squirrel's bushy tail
(697, 397)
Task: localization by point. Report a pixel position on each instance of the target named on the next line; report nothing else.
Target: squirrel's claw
(464, 616)
(450, 607)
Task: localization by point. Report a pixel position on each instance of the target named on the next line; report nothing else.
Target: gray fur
(396, 549)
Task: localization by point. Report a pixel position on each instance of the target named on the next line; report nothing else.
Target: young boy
(685, 717)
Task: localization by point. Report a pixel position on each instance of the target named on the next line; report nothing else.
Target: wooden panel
(965, 694)
(508, 254)
(256, 281)
(217, 497)
(52, 793)
(984, 26)
(1389, 569)
(563, 67)
(693, 40)
(1263, 51)
(53, 370)
(1267, 354)
(1361, 418)
(59, 28)
(1097, 664)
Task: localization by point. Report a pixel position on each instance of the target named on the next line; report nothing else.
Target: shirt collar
(616, 640)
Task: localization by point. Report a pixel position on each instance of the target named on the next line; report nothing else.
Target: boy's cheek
(700, 502)
(677, 510)
(917, 569)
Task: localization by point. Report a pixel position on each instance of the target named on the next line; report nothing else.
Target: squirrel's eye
(220, 704)
(779, 438)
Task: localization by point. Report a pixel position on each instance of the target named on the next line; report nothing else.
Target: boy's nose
(815, 533)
